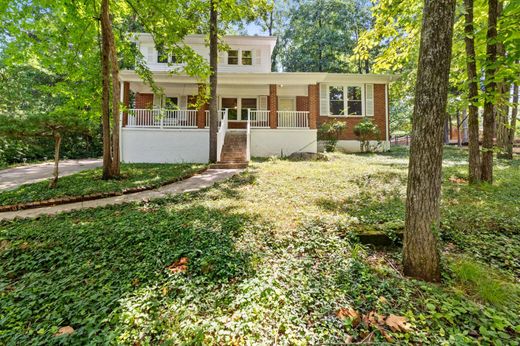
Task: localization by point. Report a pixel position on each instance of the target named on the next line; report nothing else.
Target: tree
(321, 34)
(490, 93)
(45, 125)
(421, 258)
(213, 62)
(471, 67)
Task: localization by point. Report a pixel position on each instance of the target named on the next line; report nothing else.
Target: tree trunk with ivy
(421, 257)
(490, 92)
(471, 66)
(213, 107)
(55, 174)
(512, 128)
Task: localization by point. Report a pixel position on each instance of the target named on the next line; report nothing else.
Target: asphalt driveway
(11, 178)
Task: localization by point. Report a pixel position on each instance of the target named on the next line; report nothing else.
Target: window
(247, 103)
(247, 57)
(354, 101)
(336, 100)
(232, 57)
(171, 103)
(162, 56)
(345, 100)
(286, 104)
(231, 104)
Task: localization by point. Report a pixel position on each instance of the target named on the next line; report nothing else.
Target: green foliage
(329, 132)
(319, 36)
(366, 130)
(89, 182)
(257, 273)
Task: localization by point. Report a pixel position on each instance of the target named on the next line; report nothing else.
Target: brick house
(262, 113)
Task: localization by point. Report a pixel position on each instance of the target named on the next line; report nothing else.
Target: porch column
(201, 111)
(126, 102)
(314, 104)
(273, 106)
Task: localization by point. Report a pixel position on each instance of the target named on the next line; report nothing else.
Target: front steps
(233, 155)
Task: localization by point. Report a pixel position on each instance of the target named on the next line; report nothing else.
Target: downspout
(387, 107)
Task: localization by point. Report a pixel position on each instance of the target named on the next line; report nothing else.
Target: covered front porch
(278, 119)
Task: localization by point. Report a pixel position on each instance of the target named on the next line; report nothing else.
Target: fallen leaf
(64, 331)
(398, 323)
(345, 313)
(179, 266)
(373, 319)
(457, 180)
(382, 300)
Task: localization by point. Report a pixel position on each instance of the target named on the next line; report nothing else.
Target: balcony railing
(162, 118)
(259, 118)
(293, 119)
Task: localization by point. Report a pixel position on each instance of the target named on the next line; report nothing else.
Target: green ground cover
(272, 258)
(90, 182)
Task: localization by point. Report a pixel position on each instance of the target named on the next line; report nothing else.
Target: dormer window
(247, 57)
(232, 57)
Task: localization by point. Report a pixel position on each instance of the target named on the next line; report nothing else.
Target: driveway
(13, 177)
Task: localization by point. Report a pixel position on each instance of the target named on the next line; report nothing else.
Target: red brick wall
(314, 105)
(273, 106)
(126, 101)
(302, 103)
(379, 117)
(143, 101)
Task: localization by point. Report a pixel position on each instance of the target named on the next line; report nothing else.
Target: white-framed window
(237, 106)
(165, 58)
(241, 57)
(247, 57)
(232, 57)
(347, 99)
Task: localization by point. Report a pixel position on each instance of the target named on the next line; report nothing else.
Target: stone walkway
(11, 178)
(195, 183)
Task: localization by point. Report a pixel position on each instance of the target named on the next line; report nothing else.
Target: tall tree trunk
(105, 97)
(502, 108)
(489, 107)
(459, 142)
(421, 258)
(106, 22)
(471, 66)
(213, 56)
(512, 129)
(55, 174)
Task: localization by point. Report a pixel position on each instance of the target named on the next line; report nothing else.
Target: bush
(329, 132)
(366, 130)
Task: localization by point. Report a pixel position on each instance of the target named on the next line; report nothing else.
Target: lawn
(269, 257)
(89, 182)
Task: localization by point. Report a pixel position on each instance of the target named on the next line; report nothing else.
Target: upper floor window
(247, 57)
(233, 57)
(162, 56)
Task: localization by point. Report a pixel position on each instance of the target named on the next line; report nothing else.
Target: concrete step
(229, 165)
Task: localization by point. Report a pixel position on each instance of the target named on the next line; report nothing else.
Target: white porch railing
(293, 119)
(161, 118)
(221, 116)
(221, 134)
(258, 118)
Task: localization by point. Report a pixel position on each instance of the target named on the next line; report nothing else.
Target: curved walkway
(195, 183)
(11, 178)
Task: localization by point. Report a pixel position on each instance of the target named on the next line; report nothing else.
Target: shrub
(366, 130)
(329, 132)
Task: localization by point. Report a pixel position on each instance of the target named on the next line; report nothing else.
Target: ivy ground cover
(269, 257)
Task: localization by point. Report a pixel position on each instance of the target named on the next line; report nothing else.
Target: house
(262, 113)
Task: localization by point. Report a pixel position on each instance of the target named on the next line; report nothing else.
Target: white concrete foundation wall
(164, 145)
(274, 142)
(353, 146)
